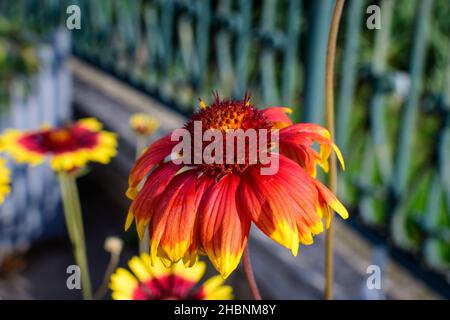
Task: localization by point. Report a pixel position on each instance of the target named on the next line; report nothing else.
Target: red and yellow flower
(208, 208)
(143, 124)
(147, 282)
(68, 147)
(4, 180)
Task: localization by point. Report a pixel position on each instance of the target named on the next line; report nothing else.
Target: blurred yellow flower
(143, 124)
(147, 282)
(69, 147)
(4, 180)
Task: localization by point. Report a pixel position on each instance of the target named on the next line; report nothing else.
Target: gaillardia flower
(68, 147)
(160, 283)
(143, 124)
(4, 180)
(209, 207)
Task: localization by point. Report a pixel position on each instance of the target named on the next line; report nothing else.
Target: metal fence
(393, 87)
(33, 209)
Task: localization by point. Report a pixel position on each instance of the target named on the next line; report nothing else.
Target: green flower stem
(141, 144)
(74, 222)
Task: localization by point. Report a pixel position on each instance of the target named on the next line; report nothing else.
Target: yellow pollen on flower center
(225, 122)
(226, 116)
(59, 135)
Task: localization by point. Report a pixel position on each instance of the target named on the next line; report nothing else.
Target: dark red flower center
(60, 140)
(226, 116)
(171, 287)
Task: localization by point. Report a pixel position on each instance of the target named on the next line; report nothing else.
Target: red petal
(283, 205)
(190, 258)
(142, 206)
(270, 206)
(296, 143)
(154, 154)
(223, 228)
(329, 200)
(172, 226)
(278, 117)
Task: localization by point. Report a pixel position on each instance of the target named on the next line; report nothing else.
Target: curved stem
(248, 270)
(329, 103)
(112, 265)
(74, 222)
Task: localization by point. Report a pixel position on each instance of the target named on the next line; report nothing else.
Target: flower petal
(270, 206)
(193, 274)
(123, 284)
(154, 154)
(223, 228)
(171, 229)
(296, 142)
(278, 117)
(191, 256)
(213, 289)
(328, 200)
(284, 205)
(142, 207)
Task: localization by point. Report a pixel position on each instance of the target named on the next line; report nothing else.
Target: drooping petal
(324, 199)
(328, 200)
(296, 142)
(283, 205)
(269, 204)
(154, 154)
(305, 195)
(142, 207)
(223, 228)
(277, 116)
(191, 256)
(171, 229)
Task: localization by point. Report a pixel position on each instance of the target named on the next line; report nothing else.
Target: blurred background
(158, 56)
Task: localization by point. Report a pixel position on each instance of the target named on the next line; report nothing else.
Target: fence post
(408, 122)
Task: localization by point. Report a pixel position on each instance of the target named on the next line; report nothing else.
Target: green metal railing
(396, 142)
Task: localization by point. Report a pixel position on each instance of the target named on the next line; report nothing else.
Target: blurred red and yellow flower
(208, 208)
(68, 147)
(143, 124)
(4, 180)
(147, 282)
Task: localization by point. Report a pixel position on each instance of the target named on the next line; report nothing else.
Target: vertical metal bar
(166, 58)
(202, 39)
(407, 127)
(349, 75)
(290, 51)
(444, 139)
(167, 16)
(376, 104)
(431, 216)
(267, 59)
(243, 48)
(314, 83)
(223, 50)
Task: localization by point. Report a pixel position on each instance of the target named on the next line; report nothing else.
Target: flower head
(4, 180)
(69, 147)
(208, 207)
(157, 282)
(143, 124)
